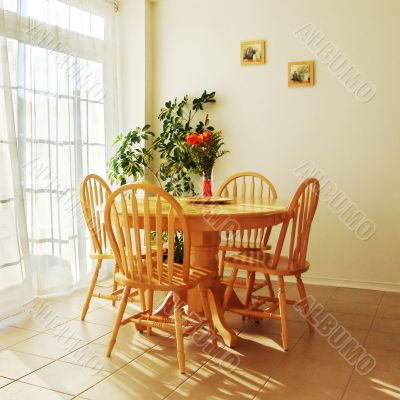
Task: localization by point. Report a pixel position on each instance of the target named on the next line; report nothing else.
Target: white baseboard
(383, 286)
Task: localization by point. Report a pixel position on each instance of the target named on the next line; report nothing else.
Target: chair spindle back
(250, 188)
(298, 222)
(140, 216)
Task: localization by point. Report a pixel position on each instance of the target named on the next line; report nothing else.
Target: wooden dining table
(206, 222)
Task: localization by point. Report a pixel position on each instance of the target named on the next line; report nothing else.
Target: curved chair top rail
(94, 192)
(247, 185)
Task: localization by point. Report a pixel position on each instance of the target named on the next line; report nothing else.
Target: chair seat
(177, 282)
(231, 245)
(260, 261)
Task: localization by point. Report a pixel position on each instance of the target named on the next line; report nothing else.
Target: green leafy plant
(133, 157)
(178, 118)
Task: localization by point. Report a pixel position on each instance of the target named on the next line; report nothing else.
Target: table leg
(204, 254)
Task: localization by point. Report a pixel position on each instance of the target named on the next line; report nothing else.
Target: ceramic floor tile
(70, 311)
(216, 382)
(14, 364)
(318, 372)
(4, 381)
(380, 383)
(81, 330)
(391, 299)
(320, 293)
(386, 360)
(297, 315)
(357, 295)
(372, 394)
(25, 321)
(65, 377)
(334, 348)
(129, 339)
(153, 375)
(293, 389)
(22, 391)
(353, 321)
(10, 335)
(236, 322)
(386, 325)
(79, 299)
(94, 355)
(103, 316)
(349, 307)
(267, 327)
(235, 373)
(392, 312)
(48, 346)
(146, 367)
(383, 341)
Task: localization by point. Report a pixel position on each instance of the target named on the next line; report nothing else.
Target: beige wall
(272, 129)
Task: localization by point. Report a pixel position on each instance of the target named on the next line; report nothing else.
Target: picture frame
(252, 53)
(301, 73)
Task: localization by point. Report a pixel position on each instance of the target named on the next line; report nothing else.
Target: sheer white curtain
(61, 76)
(15, 280)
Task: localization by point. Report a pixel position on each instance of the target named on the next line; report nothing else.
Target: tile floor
(56, 356)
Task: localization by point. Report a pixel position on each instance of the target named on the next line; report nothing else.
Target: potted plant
(179, 159)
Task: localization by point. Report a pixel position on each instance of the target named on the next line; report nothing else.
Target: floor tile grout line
(364, 344)
(198, 369)
(138, 356)
(296, 343)
(42, 387)
(59, 359)
(119, 369)
(53, 360)
(211, 358)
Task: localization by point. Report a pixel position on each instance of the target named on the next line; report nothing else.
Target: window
(58, 61)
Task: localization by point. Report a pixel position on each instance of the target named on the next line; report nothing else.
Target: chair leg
(222, 264)
(150, 301)
(208, 315)
(304, 302)
(229, 287)
(91, 289)
(115, 284)
(118, 319)
(251, 276)
(179, 334)
(142, 298)
(270, 287)
(283, 312)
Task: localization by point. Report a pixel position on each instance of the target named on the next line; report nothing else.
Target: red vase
(207, 184)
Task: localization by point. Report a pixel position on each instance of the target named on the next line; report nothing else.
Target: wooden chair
(252, 188)
(135, 215)
(298, 223)
(94, 193)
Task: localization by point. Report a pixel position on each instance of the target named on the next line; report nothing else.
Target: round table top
(245, 214)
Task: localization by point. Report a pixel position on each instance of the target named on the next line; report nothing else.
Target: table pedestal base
(204, 255)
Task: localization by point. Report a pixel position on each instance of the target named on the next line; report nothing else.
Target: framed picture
(301, 73)
(252, 53)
